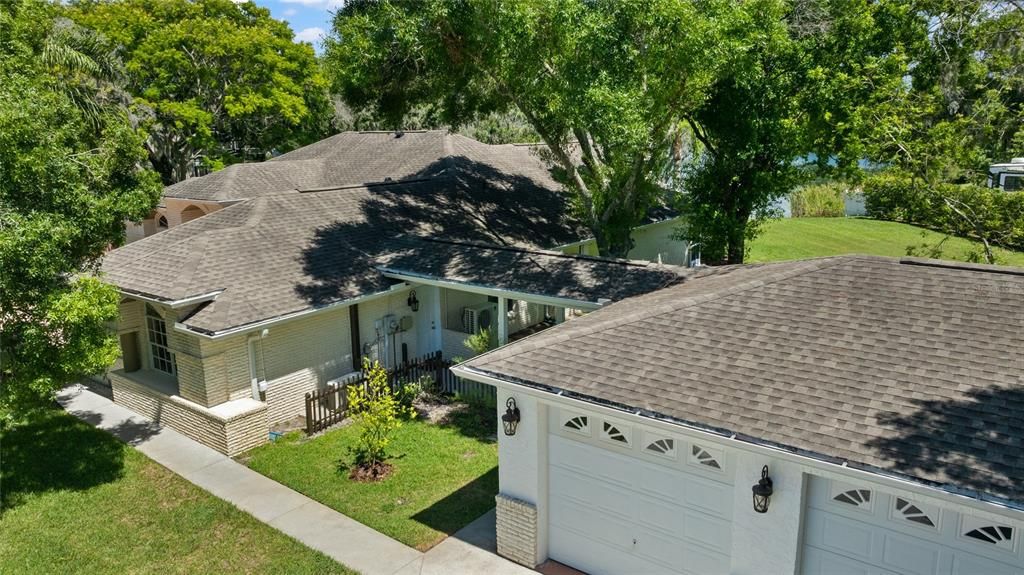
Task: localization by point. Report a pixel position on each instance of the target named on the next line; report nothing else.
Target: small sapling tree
(376, 409)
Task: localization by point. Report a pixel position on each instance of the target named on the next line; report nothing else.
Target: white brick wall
(132, 313)
(516, 530)
(230, 436)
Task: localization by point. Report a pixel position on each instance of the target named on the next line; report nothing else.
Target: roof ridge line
(684, 303)
(544, 252)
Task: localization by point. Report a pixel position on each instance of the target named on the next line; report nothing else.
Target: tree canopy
(213, 81)
(790, 102)
(963, 105)
(717, 100)
(70, 177)
(605, 84)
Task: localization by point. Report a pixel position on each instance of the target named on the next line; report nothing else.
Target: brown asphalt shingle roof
(351, 158)
(288, 252)
(527, 271)
(912, 369)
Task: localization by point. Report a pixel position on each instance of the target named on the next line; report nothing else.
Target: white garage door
(859, 530)
(614, 509)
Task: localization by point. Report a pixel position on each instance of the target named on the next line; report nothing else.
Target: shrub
(990, 216)
(480, 342)
(818, 201)
(376, 409)
(895, 197)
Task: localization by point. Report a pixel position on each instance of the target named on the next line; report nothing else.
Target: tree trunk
(735, 249)
(737, 244)
(613, 243)
(163, 166)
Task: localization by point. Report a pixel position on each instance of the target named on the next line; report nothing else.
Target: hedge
(994, 214)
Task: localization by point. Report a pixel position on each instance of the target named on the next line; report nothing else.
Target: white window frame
(156, 329)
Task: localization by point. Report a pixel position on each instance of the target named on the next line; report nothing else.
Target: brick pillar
(517, 530)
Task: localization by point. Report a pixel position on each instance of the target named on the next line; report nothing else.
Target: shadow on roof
(454, 199)
(958, 440)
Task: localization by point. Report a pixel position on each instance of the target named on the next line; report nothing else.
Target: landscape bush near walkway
(377, 412)
(445, 473)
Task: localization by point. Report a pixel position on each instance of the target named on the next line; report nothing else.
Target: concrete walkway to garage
(470, 550)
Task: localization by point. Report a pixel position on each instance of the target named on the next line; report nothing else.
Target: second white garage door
(613, 512)
(861, 530)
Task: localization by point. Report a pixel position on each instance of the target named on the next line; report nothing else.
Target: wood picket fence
(328, 406)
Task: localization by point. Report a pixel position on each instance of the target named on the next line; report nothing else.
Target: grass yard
(797, 238)
(73, 499)
(445, 475)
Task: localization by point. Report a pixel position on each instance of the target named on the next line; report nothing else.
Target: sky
(309, 19)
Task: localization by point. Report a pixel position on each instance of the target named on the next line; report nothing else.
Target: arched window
(160, 354)
(162, 223)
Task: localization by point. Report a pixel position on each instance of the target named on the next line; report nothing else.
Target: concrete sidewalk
(370, 552)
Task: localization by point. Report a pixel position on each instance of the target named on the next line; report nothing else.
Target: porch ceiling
(542, 276)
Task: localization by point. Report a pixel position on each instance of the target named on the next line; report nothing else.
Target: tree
(789, 104)
(214, 81)
(605, 84)
(69, 178)
(962, 109)
(377, 410)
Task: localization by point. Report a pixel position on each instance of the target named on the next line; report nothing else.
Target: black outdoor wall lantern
(413, 302)
(511, 418)
(762, 491)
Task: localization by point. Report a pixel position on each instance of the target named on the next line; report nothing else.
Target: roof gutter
(184, 328)
(491, 290)
(173, 304)
(992, 504)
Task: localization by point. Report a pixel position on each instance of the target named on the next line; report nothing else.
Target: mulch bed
(371, 473)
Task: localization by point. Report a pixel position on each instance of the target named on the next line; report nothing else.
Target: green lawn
(77, 500)
(445, 476)
(797, 238)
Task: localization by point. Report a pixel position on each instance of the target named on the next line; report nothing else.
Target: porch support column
(502, 321)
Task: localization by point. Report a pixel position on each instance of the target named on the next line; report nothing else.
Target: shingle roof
(529, 271)
(351, 158)
(887, 365)
(288, 252)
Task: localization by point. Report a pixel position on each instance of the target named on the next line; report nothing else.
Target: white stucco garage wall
(766, 542)
(761, 543)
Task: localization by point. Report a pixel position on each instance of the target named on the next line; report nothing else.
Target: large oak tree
(619, 90)
(606, 84)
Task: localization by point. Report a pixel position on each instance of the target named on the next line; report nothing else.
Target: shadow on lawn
(55, 452)
(461, 507)
(476, 420)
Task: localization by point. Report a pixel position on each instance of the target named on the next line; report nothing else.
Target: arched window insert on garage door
(913, 512)
(978, 529)
(704, 457)
(855, 497)
(665, 447)
(578, 424)
(610, 432)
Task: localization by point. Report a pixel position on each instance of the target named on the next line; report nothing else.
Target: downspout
(357, 346)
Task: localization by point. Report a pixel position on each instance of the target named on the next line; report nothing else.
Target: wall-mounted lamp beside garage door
(762, 491)
(511, 418)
